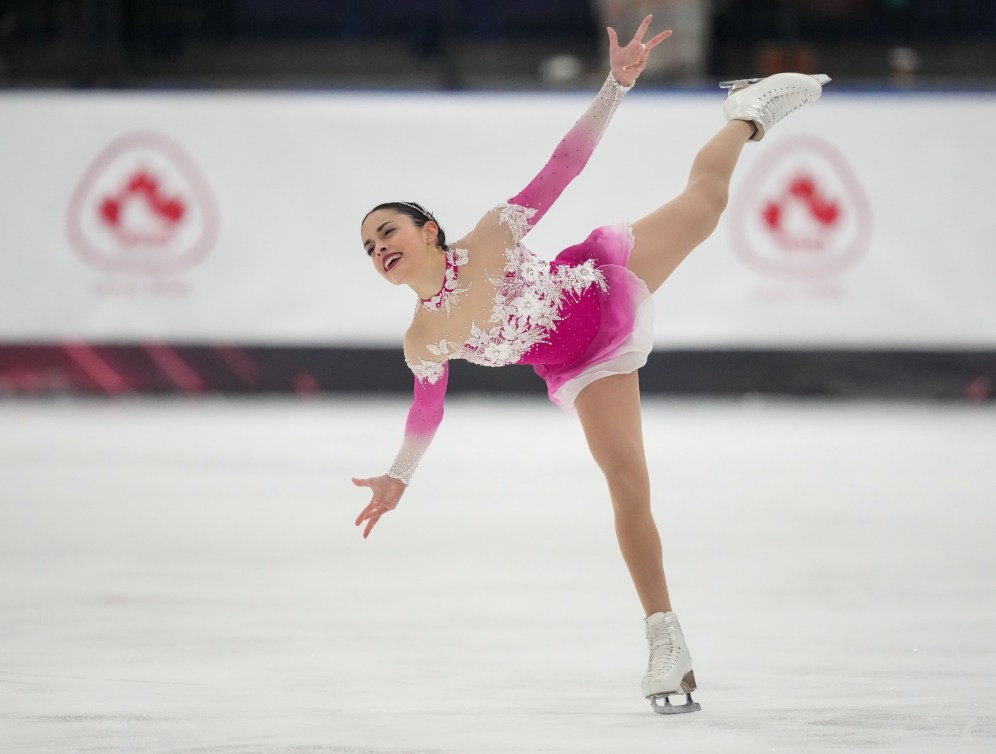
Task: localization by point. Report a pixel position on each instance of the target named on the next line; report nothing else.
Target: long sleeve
(570, 156)
(424, 417)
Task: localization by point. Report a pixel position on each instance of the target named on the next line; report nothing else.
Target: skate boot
(764, 102)
(669, 671)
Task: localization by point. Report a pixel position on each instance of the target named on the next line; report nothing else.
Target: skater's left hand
(386, 494)
(627, 63)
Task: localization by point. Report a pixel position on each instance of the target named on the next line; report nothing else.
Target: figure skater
(583, 321)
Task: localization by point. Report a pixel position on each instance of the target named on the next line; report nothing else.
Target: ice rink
(185, 577)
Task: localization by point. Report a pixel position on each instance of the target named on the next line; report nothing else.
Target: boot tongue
(657, 619)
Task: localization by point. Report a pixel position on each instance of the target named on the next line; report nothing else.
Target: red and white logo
(801, 212)
(144, 207)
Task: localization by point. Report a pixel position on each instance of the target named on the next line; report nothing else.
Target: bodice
(526, 301)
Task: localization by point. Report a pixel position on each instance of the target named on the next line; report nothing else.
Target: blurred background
(171, 167)
(455, 44)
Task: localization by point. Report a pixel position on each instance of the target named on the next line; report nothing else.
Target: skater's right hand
(387, 492)
(627, 63)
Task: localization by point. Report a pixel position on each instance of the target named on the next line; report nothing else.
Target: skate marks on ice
(866, 728)
(184, 577)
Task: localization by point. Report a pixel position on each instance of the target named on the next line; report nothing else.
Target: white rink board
(185, 577)
(891, 246)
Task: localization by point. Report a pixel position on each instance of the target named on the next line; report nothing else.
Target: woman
(584, 321)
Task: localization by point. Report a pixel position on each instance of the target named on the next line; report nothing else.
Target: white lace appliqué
(527, 307)
(448, 297)
(431, 371)
(516, 219)
(528, 299)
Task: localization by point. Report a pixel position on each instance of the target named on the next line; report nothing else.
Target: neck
(430, 280)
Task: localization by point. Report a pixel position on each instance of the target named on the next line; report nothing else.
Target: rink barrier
(87, 369)
(184, 217)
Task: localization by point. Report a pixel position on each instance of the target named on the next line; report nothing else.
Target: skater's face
(397, 247)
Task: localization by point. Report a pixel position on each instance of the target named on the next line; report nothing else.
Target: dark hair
(418, 214)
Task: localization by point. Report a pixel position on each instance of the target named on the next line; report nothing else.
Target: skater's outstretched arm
(576, 148)
(424, 417)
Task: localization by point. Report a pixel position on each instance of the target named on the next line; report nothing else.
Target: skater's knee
(629, 487)
(712, 195)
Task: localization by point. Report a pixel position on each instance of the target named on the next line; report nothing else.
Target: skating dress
(576, 319)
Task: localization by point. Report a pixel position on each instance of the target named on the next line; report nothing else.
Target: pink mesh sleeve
(424, 417)
(572, 154)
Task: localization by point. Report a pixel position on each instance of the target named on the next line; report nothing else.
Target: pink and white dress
(576, 319)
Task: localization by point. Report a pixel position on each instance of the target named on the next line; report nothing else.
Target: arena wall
(200, 242)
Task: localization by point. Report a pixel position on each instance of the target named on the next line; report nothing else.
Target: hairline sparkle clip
(420, 209)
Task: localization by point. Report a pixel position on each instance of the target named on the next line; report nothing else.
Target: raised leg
(669, 234)
(609, 410)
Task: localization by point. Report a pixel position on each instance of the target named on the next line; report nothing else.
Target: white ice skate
(764, 102)
(669, 671)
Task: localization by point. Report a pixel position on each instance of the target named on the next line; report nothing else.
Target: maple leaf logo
(141, 212)
(143, 206)
(802, 214)
(802, 219)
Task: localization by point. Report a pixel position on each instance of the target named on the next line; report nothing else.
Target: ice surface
(185, 577)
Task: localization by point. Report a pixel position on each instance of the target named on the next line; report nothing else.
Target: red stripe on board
(96, 368)
(183, 376)
(239, 362)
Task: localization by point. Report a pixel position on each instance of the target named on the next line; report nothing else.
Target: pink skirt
(624, 311)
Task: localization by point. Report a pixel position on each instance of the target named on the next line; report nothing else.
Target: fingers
(381, 502)
(371, 510)
(658, 39)
(371, 514)
(376, 508)
(613, 37)
(371, 517)
(638, 64)
(643, 28)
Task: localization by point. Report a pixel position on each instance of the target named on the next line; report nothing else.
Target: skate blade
(738, 84)
(674, 709)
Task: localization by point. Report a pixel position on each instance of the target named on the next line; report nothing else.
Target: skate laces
(783, 102)
(663, 648)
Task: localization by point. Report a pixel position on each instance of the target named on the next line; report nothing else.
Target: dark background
(454, 44)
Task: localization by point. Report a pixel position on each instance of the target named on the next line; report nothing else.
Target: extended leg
(669, 234)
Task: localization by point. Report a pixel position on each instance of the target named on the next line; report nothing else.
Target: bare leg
(668, 234)
(609, 410)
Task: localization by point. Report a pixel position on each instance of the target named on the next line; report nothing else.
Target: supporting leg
(609, 410)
